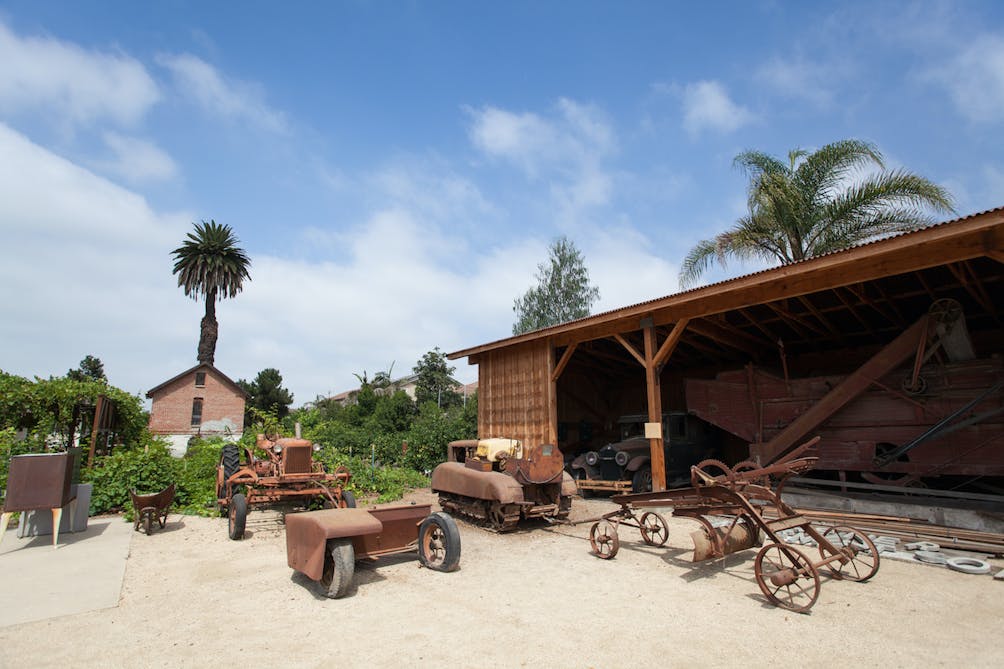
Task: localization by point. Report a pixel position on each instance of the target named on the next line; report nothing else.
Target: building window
(200, 379)
(197, 411)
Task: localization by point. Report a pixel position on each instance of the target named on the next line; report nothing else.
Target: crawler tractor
(499, 481)
(287, 473)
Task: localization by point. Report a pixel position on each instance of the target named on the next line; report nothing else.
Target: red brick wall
(171, 410)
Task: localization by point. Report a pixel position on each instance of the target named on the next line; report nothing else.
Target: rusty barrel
(721, 541)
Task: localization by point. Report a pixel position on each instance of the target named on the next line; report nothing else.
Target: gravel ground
(534, 597)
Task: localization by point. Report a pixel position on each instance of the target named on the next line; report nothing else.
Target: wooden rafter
(858, 291)
(854, 312)
(755, 322)
(972, 287)
(795, 322)
(899, 319)
(977, 284)
(731, 338)
(807, 303)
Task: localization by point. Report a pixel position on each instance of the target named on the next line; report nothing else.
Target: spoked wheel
(862, 558)
(654, 530)
(786, 577)
(439, 542)
(603, 538)
(339, 566)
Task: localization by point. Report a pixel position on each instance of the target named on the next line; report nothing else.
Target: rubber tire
(445, 524)
(230, 460)
(348, 500)
(339, 567)
(237, 517)
(642, 479)
(147, 523)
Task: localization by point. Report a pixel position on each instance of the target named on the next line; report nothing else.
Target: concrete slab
(83, 572)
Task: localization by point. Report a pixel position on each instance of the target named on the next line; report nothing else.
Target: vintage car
(627, 464)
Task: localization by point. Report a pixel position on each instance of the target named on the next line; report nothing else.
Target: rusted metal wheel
(747, 466)
(147, 522)
(496, 516)
(786, 577)
(715, 469)
(603, 538)
(862, 558)
(654, 530)
(439, 542)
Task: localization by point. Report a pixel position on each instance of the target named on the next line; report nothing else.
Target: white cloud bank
(974, 79)
(43, 74)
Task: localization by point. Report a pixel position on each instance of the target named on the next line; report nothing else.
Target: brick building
(199, 402)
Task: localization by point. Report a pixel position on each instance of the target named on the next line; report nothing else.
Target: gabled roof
(958, 240)
(199, 366)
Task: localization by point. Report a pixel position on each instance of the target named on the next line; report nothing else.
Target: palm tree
(813, 204)
(209, 264)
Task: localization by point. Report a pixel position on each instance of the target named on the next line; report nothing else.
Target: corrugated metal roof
(536, 334)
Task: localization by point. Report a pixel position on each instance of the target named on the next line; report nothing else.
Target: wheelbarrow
(150, 508)
(324, 545)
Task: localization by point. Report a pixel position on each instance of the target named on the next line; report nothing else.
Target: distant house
(408, 384)
(199, 402)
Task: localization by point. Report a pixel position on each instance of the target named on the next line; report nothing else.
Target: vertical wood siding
(514, 393)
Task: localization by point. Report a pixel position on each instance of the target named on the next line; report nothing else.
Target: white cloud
(800, 79)
(707, 106)
(222, 96)
(45, 75)
(137, 160)
(567, 151)
(974, 79)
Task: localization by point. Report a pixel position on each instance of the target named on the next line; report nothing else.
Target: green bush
(146, 468)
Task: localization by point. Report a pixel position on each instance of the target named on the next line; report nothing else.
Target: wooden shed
(830, 315)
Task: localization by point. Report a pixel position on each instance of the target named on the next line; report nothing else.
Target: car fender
(637, 462)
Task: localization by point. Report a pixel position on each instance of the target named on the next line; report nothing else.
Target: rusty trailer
(324, 545)
(742, 500)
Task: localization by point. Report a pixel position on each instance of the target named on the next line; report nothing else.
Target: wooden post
(99, 407)
(654, 390)
(552, 393)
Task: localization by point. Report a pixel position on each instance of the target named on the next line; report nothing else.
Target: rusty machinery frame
(785, 575)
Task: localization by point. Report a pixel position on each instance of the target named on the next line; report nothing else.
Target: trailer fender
(307, 535)
(453, 477)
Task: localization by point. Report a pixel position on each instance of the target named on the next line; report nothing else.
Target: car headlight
(592, 457)
(621, 458)
(277, 449)
(317, 448)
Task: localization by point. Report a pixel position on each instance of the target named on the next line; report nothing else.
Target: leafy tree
(562, 294)
(266, 394)
(210, 264)
(816, 203)
(91, 369)
(435, 381)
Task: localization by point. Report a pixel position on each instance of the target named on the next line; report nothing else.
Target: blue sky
(396, 170)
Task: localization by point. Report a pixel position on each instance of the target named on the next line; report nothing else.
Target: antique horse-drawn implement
(740, 496)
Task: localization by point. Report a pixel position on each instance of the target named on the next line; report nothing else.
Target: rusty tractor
(287, 473)
(324, 545)
(497, 482)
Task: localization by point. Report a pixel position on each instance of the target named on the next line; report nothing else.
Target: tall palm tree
(816, 203)
(210, 264)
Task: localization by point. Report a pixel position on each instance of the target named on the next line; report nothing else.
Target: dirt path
(537, 598)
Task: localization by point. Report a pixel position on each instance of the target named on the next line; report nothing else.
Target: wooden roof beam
(669, 345)
(755, 322)
(726, 337)
(804, 299)
(854, 312)
(959, 270)
(859, 292)
(565, 357)
(794, 322)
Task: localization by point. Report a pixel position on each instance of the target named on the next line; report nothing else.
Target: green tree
(816, 203)
(91, 369)
(435, 381)
(266, 394)
(209, 264)
(563, 292)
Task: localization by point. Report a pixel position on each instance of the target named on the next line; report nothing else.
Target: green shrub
(146, 468)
